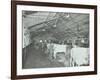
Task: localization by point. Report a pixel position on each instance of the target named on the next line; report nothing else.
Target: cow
(79, 56)
(59, 48)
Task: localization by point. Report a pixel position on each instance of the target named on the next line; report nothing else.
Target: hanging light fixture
(54, 26)
(40, 40)
(43, 30)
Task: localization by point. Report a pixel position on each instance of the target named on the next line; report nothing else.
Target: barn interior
(49, 38)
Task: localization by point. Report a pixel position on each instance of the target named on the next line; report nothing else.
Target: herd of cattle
(71, 56)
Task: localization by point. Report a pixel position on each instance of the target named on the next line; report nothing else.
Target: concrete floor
(37, 59)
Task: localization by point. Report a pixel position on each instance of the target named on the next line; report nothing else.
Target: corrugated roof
(60, 25)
